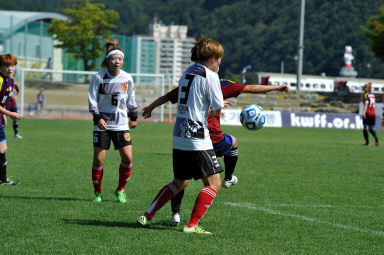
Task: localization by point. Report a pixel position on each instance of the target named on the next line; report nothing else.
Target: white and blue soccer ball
(252, 117)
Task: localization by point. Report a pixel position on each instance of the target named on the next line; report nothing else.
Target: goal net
(66, 93)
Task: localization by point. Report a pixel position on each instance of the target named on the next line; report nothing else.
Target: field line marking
(325, 206)
(310, 219)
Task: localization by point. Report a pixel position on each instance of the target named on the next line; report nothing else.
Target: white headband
(114, 52)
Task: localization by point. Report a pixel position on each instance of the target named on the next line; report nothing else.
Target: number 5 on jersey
(186, 87)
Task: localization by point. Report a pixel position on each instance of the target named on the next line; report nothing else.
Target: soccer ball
(252, 117)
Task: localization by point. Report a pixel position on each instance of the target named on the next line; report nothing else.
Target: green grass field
(300, 191)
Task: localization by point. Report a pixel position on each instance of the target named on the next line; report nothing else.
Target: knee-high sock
(203, 202)
(230, 161)
(176, 202)
(365, 133)
(124, 174)
(15, 127)
(3, 167)
(373, 132)
(164, 195)
(97, 177)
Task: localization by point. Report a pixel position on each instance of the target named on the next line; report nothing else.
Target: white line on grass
(324, 206)
(274, 212)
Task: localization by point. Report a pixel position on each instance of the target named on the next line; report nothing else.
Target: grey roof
(16, 19)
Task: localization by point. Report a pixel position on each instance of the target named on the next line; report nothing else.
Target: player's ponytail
(205, 49)
(109, 46)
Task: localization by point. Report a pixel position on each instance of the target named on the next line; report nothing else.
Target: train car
(318, 83)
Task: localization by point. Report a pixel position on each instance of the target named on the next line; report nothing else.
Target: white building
(173, 54)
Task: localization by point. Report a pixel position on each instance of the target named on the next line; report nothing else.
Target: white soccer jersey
(110, 97)
(199, 90)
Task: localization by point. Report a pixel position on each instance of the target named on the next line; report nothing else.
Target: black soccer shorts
(195, 164)
(120, 139)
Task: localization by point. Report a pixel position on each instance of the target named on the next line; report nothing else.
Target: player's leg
(125, 169)
(183, 163)
(122, 142)
(175, 205)
(16, 124)
(209, 171)
(230, 160)
(162, 197)
(3, 161)
(373, 133)
(101, 143)
(203, 202)
(365, 134)
(227, 147)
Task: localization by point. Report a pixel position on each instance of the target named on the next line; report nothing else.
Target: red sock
(97, 176)
(164, 195)
(202, 203)
(124, 174)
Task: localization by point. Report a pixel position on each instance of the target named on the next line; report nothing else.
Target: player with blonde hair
(111, 94)
(199, 95)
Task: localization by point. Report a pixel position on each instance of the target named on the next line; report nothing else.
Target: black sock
(365, 132)
(15, 127)
(3, 167)
(373, 132)
(230, 161)
(176, 202)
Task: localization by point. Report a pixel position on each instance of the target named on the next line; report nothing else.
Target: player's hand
(15, 116)
(132, 124)
(101, 124)
(146, 112)
(227, 103)
(283, 88)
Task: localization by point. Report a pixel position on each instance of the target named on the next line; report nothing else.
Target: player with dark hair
(199, 95)
(369, 114)
(12, 107)
(111, 93)
(8, 64)
(223, 144)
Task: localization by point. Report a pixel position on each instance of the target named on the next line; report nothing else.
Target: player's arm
(132, 105)
(146, 112)
(12, 115)
(92, 102)
(254, 89)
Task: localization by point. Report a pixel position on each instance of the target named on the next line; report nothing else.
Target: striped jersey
(109, 98)
(369, 99)
(198, 91)
(5, 89)
(11, 101)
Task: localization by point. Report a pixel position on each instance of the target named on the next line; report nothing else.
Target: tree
(83, 33)
(375, 33)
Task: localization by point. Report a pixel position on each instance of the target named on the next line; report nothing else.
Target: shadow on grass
(45, 198)
(157, 226)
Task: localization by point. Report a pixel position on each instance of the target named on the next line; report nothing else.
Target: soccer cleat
(228, 183)
(18, 136)
(142, 221)
(9, 182)
(121, 196)
(366, 144)
(97, 198)
(196, 229)
(175, 220)
(377, 143)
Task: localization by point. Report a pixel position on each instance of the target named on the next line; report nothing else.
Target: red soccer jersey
(370, 100)
(229, 89)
